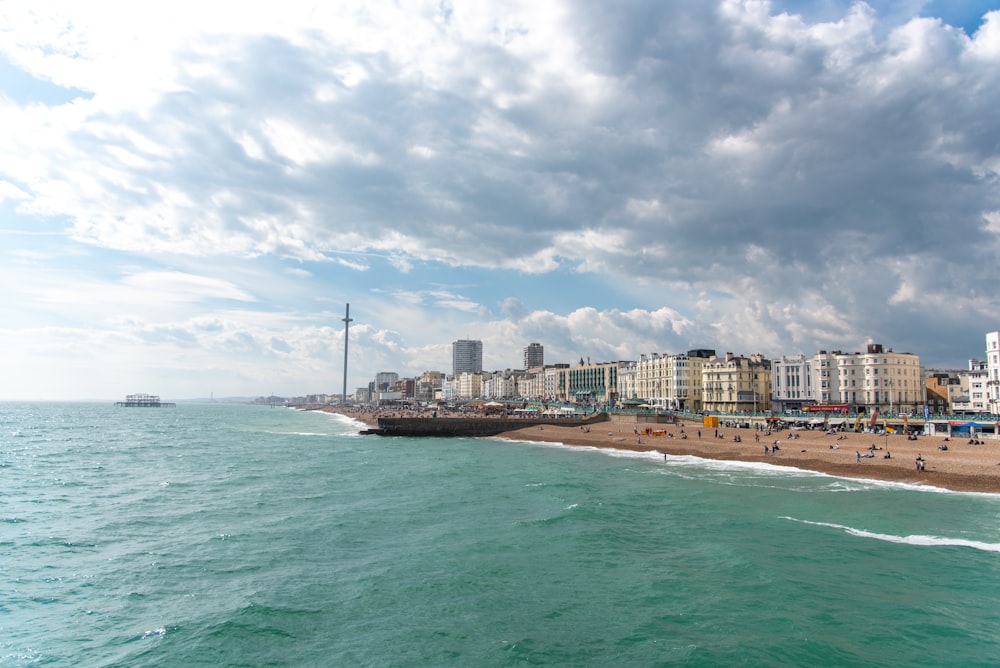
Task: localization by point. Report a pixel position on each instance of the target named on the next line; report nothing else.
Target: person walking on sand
(857, 456)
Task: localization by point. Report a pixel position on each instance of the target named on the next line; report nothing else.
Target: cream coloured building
(671, 382)
(880, 378)
(468, 386)
(733, 384)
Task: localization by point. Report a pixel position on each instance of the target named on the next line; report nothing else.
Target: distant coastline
(962, 467)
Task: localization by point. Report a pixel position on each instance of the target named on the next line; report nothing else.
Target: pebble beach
(964, 466)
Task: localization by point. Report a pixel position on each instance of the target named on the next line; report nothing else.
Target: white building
(792, 383)
(550, 381)
(799, 381)
(447, 391)
(878, 378)
(993, 372)
(627, 382)
(976, 388)
(500, 384)
(531, 386)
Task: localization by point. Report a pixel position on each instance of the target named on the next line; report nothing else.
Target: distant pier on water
(143, 401)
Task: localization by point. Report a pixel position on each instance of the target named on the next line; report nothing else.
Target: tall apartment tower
(534, 356)
(466, 357)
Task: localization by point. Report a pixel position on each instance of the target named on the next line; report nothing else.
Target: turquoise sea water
(237, 535)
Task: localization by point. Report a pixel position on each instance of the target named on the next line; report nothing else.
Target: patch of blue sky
(13, 221)
(964, 14)
(22, 88)
(557, 291)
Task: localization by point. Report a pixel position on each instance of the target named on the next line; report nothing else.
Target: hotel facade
(875, 379)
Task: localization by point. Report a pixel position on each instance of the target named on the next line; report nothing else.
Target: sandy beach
(962, 467)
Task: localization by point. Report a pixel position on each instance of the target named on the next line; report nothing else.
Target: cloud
(185, 287)
(754, 175)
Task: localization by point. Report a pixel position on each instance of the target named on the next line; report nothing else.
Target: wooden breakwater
(470, 427)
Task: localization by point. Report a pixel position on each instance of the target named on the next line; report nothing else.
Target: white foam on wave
(918, 540)
(348, 421)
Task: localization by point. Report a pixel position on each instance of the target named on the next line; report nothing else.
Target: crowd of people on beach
(692, 438)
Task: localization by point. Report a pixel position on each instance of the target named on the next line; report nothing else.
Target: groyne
(472, 426)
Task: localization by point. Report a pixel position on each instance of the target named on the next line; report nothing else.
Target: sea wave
(918, 540)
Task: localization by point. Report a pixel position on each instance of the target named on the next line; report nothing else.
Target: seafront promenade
(963, 466)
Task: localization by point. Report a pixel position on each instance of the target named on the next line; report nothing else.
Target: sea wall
(645, 418)
(444, 427)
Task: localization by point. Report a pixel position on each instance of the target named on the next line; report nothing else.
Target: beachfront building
(627, 382)
(589, 383)
(993, 372)
(447, 391)
(940, 387)
(672, 382)
(534, 356)
(879, 379)
(428, 385)
(799, 382)
(974, 399)
(384, 380)
(551, 380)
(733, 384)
(531, 385)
(501, 384)
(961, 399)
(468, 386)
(792, 383)
(406, 388)
(466, 357)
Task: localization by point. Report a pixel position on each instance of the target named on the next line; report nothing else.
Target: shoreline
(963, 467)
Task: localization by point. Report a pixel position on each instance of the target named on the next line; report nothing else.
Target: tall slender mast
(347, 324)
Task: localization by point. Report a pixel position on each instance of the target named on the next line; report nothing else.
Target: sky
(191, 192)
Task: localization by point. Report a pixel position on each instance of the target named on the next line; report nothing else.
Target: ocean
(235, 535)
